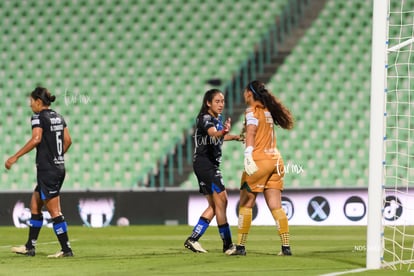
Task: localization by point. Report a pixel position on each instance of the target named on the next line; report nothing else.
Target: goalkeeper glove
(249, 164)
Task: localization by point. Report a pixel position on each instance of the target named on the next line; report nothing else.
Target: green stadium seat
(140, 56)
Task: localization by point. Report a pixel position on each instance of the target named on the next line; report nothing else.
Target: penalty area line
(51, 242)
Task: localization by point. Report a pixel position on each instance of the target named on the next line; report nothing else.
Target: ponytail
(44, 95)
(280, 114)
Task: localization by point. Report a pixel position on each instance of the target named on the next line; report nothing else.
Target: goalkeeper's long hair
(280, 114)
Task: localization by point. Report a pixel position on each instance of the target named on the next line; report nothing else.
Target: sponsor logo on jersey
(56, 127)
(55, 121)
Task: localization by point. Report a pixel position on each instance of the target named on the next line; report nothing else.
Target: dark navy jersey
(49, 152)
(206, 146)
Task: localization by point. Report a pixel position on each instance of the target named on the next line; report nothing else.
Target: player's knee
(37, 217)
(58, 219)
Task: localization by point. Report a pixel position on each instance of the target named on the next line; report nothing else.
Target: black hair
(280, 114)
(208, 97)
(43, 94)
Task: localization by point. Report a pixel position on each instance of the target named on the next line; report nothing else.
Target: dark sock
(61, 230)
(225, 235)
(36, 222)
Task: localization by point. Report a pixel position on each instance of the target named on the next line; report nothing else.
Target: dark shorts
(49, 183)
(209, 177)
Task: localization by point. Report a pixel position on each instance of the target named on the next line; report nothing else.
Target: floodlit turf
(159, 250)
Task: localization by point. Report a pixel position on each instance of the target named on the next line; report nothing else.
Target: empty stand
(128, 76)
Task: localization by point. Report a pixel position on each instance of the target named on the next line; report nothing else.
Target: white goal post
(377, 134)
(390, 228)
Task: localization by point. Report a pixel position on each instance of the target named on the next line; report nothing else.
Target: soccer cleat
(229, 247)
(194, 246)
(238, 250)
(61, 254)
(22, 250)
(285, 251)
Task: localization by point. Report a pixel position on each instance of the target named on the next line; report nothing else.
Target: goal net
(398, 165)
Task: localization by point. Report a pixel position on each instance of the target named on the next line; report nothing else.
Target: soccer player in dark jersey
(210, 132)
(51, 138)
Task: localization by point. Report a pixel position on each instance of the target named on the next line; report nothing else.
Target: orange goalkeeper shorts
(268, 176)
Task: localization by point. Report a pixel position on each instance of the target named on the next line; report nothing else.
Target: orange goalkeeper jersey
(265, 140)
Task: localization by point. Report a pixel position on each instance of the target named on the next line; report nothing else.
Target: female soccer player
(264, 169)
(51, 138)
(209, 136)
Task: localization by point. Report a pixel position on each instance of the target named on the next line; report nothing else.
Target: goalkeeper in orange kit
(264, 169)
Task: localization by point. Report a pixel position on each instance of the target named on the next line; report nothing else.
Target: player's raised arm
(213, 132)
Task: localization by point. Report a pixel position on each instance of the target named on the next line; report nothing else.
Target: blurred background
(129, 77)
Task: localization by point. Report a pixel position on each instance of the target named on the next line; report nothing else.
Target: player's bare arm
(213, 132)
(232, 137)
(31, 144)
(250, 135)
(67, 141)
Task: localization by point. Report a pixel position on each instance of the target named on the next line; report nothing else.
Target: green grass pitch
(159, 250)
